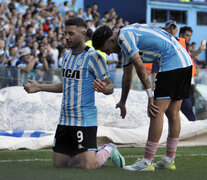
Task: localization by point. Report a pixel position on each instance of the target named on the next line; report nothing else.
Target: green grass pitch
(191, 163)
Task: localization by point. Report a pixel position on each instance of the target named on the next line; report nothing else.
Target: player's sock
(102, 156)
(73, 161)
(171, 148)
(150, 150)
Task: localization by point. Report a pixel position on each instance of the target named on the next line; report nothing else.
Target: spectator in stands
(187, 106)
(88, 14)
(192, 49)
(2, 44)
(112, 61)
(112, 13)
(40, 34)
(12, 5)
(21, 7)
(45, 54)
(91, 25)
(80, 13)
(120, 21)
(66, 7)
(111, 23)
(46, 25)
(73, 6)
(171, 27)
(55, 53)
(28, 64)
(105, 17)
(13, 56)
(35, 48)
(96, 15)
(61, 57)
(3, 57)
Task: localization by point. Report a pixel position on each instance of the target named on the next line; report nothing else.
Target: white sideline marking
(24, 160)
(177, 155)
(130, 156)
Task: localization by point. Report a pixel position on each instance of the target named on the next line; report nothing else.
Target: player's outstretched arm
(34, 87)
(106, 86)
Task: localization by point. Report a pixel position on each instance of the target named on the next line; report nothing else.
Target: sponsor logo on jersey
(69, 73)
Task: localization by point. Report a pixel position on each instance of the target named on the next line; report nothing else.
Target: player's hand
(99, 86)
(202, 46)
(32, 87)
(152, 110)
(122, 107)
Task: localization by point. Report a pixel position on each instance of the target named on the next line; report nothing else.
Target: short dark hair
(65, 3)
(89, 33)
(77, 22)
(100, 36)
(184, 29)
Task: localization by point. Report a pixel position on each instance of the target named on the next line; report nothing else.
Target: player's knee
(173, 114)
(88, 165)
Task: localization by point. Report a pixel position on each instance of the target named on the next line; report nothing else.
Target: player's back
(155, 44)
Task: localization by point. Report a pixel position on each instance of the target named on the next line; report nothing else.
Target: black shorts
(173, 84)
(72, 140)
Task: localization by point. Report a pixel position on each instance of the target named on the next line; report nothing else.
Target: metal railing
(12, 76)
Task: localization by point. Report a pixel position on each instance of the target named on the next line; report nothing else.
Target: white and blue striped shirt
(79, 71)
(154, 45)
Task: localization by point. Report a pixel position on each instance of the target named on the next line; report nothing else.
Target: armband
(149, 92)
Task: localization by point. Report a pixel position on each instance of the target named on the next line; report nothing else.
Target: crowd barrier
(12, 76)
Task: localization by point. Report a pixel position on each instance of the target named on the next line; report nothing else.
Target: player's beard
(73, 45)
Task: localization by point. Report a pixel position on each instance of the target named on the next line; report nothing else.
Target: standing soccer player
(83, 71)
(138, 43)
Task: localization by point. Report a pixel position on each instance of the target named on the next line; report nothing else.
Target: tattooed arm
(144, 77)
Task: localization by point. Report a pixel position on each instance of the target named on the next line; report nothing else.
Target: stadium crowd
(34, 29)
(40, 27)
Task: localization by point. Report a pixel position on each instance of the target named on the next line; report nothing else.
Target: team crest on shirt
(79, 61)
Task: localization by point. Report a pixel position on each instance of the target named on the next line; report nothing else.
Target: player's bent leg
(87, 160)
(114, 154)
(60, 160)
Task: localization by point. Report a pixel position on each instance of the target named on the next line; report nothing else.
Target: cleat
(139, 165)
(165, 165)
(115, 156)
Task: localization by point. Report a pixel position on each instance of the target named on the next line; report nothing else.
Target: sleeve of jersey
(97, 66)
(127, 41)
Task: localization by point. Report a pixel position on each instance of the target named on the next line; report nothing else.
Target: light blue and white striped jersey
(154, 45)
(79, 71)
